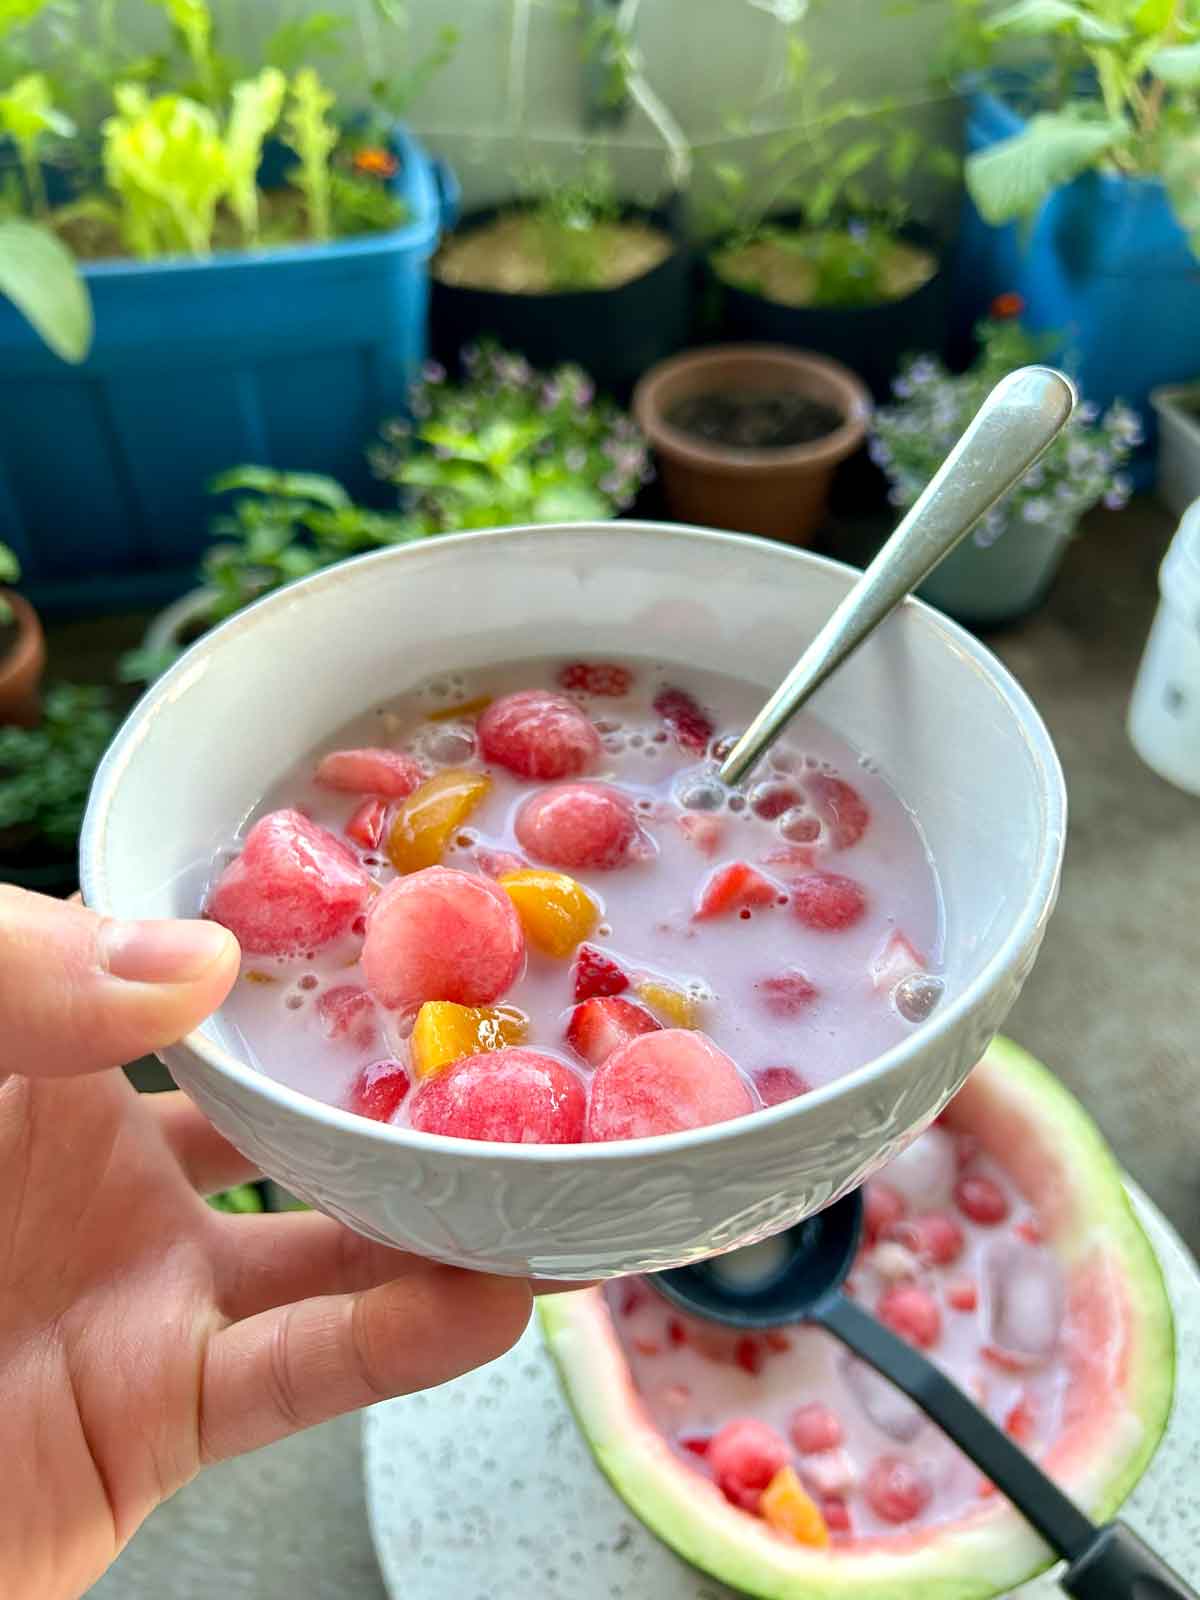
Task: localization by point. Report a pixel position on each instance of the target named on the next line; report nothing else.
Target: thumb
(79, 992)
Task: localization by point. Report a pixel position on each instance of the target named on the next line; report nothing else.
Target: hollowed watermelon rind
(1125, 1410)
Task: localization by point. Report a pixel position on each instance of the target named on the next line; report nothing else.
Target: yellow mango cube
(444, 1032)
(429, 817)
(556, 912)
(674, 1006)
(467, 710)
(789, 1509)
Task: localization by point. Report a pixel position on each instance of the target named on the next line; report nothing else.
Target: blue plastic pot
(288, 356)
(1105, 263)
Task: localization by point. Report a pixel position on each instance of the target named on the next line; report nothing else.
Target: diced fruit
(828, 902)
(777, 1084)
(390, 773)
(464, 711)
(662, 1082)
(749, 1354)
(348, 1012)
(604, 678)
(632, 1297)
(787, 994)
(556, 912)
(734, 887)
(691, 727)
(962, 1294)
(744, 1457)
(1021, 1422)
(981, 1198)
(597, 975)
(893, 1261)
(512, 1096)
(895, 961)
(498, 863)
(676, 1332)
(697, 1444)
(366, 826)
(646, 1347)
(836, 1514)
(425, 823)
(776, 1340)
(815, 1426)
(912, 1312)
(602, 1025)
(771, 799)
(840, 806)
(828, 1472)
(791, 860)
(934, 1237)
(378, 1091)
(676, 1006)
(1030, 1229)
(294, 888)
(896, 1490)
(704, 830)
(1023, 1298)
(883, 1206)
(442, 935)
(538, 735)
(445, 1032)
(788, 1509)
(578, 825)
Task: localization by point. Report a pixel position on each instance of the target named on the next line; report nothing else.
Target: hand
(143, 1334)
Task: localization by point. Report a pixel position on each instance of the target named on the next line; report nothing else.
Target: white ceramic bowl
(944, 720)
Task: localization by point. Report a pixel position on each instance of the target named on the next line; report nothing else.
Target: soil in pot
(754, 419)
(518, 252)
(827, 267)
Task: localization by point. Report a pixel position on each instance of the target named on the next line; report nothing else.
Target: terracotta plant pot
(782, 492)
(21, 666)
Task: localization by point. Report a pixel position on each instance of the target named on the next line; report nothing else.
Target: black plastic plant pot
(871, 340)
(613, 334)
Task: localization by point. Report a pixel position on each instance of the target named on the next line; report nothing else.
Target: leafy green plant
(297, 40)
(10, 572)
(167, 163)
(192, 22)
(311, 134)
(46, 772)
(38, 274)
(257, 104)
(245, 1199)
(27, 116)
(392, 96)
(563, 224)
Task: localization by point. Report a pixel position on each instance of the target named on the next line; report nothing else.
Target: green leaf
(38, 274)
(1181, 174)
(27, 111)
(730, 176)
(1041, 17)
(1152, 16)
(313, 136)
(1178, 65)
(570, 503)
(1012, 179)
(295, 41)
(166, 161)
(856, 156)
(16, 13)
(292, 485)
(241, 1200)
(903, 153)
(257, 103)
(10, 567)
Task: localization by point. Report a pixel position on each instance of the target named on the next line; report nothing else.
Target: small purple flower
(576, 458)
(1036, 511)
(879, 452)
(897, 497)
(1087, 413)
(1119, 491)
(433, 372)
(585, 393)
(612, 485)
(902, 388)
(470, 357)
(1034, 478)
(551, 395)
(922, 371)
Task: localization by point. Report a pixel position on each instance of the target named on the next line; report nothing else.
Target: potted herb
(45, 776)
(1003, 570)
(248, 258)
(748, 436)
(22, 651)
(1178, 410)
(1084, 179)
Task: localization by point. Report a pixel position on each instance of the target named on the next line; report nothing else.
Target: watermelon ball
(440, 934)
(912, 1312)
(744, 1456)
(295, 887)
(896, 1490)
(981, 1199)
(538, 735)
(934, 1237)
(815, 1427)
(663, 1082)
(513, 1096)
(883, 1207)
(578, 825)
(390, 773)
(379, 1090)
(828, 902)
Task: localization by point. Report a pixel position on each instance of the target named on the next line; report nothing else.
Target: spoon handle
(1014, 425)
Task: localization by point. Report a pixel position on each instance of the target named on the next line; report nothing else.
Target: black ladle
(1106, 1563)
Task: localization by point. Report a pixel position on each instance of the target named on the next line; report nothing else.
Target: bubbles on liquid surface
(444, 687)
(444, 745)
(607, 725)
(614, 743)
(737, 802)
(916, 996)
(784, 759)
(721, 747)
(799, 826)
(309, 981)
(700, 794)
(636, 741)
(293, 1001)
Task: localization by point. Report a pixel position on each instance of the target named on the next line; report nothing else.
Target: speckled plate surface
(485, 1490)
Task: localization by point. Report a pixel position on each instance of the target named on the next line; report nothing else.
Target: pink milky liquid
(273, 1018)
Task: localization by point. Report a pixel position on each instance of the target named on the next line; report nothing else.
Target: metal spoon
(1017, 422)
(1106, 1563)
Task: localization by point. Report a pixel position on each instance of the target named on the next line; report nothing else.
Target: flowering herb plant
(1082, 468)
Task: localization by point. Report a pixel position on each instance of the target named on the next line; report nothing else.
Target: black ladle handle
(1109, 1563)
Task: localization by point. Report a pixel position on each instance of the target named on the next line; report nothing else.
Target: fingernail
(161, 952)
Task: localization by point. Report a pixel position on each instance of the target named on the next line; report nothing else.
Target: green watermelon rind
(983, 1555)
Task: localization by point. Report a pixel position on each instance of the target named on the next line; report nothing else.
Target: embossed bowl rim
(1024, 933)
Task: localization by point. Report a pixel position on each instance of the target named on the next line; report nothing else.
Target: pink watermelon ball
(744, 1456)
(442, 935)
(295, 887)
(662, 1082)
(513, 1096)
(578, 825)
(538, 735)
(384, 772)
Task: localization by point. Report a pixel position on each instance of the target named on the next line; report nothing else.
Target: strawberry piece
(578, 825)
(1021, 1422)
(814, 1427)
(777, 1084)
(676, 1332)
(776, 1341)
(632, 1298)
(348, 1012)
(962, 1294)
(840, 806)
(791, 860)
(827, 902)
(836, 1514)
(390, 773)
(912, 1312)
(662, 1082)
(366, 826)
(897, 960)
(749, 1355)
(734, 887)
(295, 887)
(883, 1207)
(934, 1237)
(597, 976)
(981, 1198)
(603, 1024)
(514, 1096)
(498, 863)
(379, 1090)
(744, 1456)
(646, 1347)
(440, 934)
(704, 830)
(690, 727)
(787, 994)
(538, 735)
(771, 799)
(697, 1444)
(1030, 1229)
(603, 678)
(896, 1490)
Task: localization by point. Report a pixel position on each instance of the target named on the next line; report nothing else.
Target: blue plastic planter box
(1105, 263)
(289, 357)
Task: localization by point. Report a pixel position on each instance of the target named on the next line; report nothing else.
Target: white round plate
(485, 1490)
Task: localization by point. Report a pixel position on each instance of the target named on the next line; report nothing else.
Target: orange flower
(375, 162)
(1007, 305)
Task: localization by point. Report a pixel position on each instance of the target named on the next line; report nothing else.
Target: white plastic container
(1164, 715)
(1178, 411)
